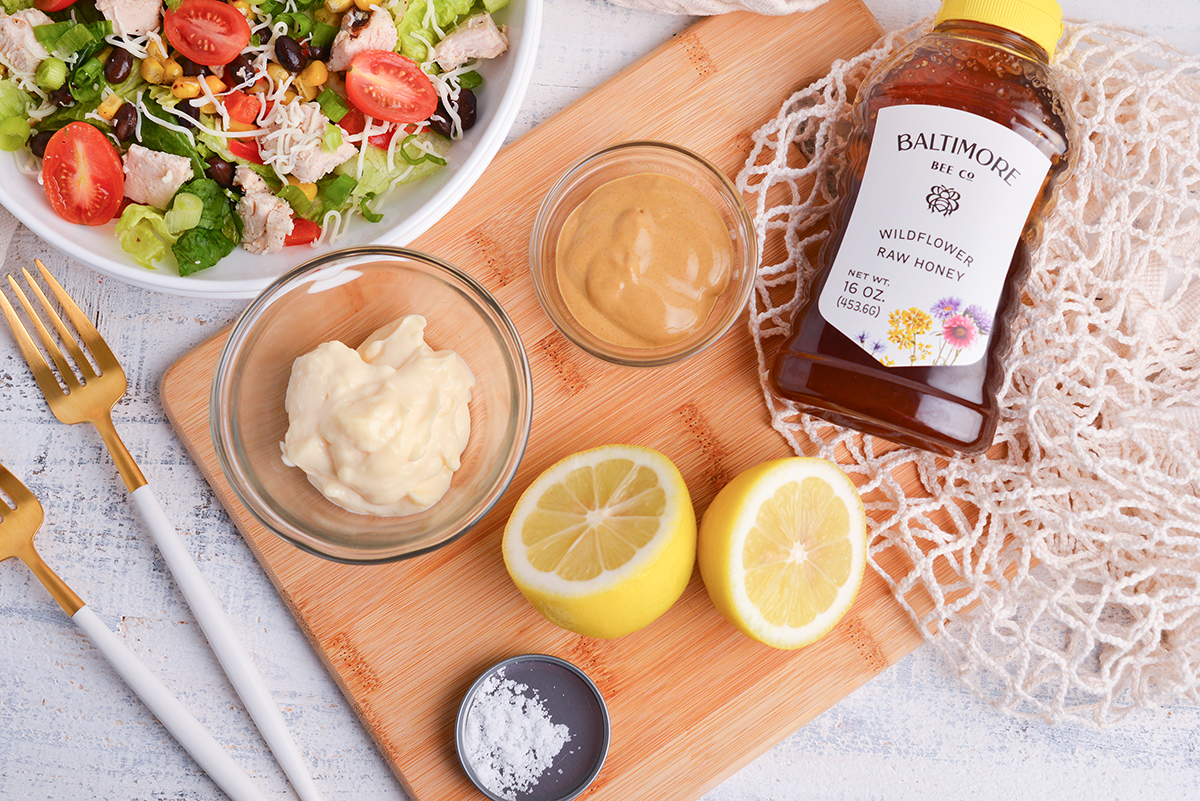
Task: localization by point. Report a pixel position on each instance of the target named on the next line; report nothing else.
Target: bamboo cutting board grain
(691, 699)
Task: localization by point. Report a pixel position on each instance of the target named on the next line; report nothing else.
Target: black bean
(38, 142)
(220, 171)
(191, 68)
(125, 122)
(317, 53)
(241, 69)
(62, 97)
(290, 54)
(191, 111)
(118, 66)
(464, 107)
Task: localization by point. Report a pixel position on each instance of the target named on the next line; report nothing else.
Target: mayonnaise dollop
(379, 430)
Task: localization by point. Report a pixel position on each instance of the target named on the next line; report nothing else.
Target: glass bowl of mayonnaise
(371, 405)
(643, 254)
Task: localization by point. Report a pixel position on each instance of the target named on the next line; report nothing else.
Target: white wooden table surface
(70, 729)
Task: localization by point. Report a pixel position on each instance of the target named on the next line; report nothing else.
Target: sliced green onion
(185, 213)
(295, 198)
(332, 139)
(323, 33)
(334, 193)
(12, 100)
(332, 105)
(74, 40)
(14, 133)
(48, 35)
(51, 73)
(86, 80)
(493, 6)
(470, 80)
(424, 157)
(371, 216)
(299, 25)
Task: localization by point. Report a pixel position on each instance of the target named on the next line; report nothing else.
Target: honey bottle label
(943, 201)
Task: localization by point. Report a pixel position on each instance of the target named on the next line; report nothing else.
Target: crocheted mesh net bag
(1060, 574)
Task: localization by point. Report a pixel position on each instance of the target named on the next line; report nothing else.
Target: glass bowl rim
(221, 429)
(655, 356)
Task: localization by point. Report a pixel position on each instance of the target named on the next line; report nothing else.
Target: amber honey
(959, 139)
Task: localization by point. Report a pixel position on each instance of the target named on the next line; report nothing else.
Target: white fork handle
(194, 738)
(225, 644)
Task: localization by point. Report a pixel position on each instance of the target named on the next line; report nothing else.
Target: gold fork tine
(15, 490)
(64, 333)
(33, 357)
(91, 337)
(64, 367)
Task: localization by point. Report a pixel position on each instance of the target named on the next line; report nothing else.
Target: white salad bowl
(407, 213)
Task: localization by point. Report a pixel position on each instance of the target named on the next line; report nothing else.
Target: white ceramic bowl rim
(14, 186)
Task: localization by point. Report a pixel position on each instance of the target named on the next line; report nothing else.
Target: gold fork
(19, 522)
(91, 401)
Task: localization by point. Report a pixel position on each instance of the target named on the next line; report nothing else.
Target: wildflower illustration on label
(920, 268)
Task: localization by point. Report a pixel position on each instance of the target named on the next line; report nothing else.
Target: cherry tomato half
(83, 176)
(355, 121)
(389, 86)
(304, 232)
(246, 149)
(52, 5)
(207, 32)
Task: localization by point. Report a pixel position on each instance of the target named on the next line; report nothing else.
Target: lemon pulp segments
(797, 554)
(595, 519)
(603, 542)
(783, 548)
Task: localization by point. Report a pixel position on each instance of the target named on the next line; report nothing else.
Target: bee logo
(943, 199)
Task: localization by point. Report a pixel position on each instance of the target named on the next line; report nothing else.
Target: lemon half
(603, 542)
(782, 549)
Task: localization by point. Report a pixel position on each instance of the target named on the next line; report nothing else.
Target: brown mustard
(959, 140)
(641, 262)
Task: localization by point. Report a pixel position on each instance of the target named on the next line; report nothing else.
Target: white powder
(509, 738)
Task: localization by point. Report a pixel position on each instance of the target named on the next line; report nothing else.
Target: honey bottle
(958, 142)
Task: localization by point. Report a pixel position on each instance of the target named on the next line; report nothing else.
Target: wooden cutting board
(691, 699)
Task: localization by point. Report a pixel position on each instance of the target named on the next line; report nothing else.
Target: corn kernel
(186, 88)
(108, 107)
(104, 54)
(289, 95)
(278, 74)
(260, 86)
(314, 75)
(152, 70)
(306, 92)
(208, 108)
(365, 5)
(323, 14)
(234, 125)
(155, 50)
(338, 6)
(245, 8)
(171, 70)
(3, 70)
(215, 84)
(309, 190)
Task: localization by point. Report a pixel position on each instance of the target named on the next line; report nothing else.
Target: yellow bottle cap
(1037, 20)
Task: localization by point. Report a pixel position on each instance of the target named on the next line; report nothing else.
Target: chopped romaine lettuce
(143, 233)
(201, 248)
(377, 178)
(164, 140)
(415, 36)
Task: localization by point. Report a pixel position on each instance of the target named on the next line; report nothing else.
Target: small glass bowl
(620, 161)
(346, 295)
